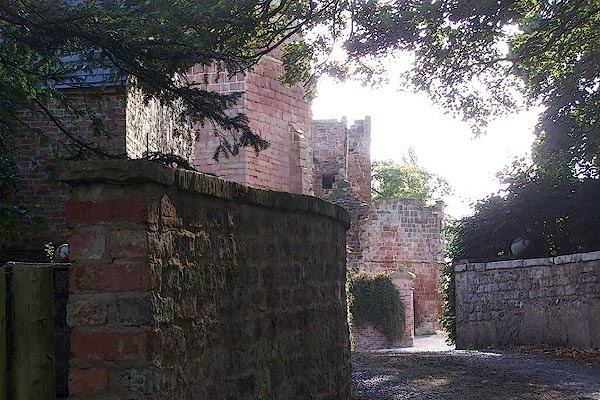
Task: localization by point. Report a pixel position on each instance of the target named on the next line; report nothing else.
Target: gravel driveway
(471, 375)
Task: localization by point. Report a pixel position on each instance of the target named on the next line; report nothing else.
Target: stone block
(511, 264)
(460, 268)
(87, 381)
(566, 259)
(592, 256)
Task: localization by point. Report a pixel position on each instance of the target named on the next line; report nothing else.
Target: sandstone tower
(386, 234)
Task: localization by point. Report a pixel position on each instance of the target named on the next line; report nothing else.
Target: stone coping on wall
(9, 265)
(143, 171)
(529, 262)
(439, 205)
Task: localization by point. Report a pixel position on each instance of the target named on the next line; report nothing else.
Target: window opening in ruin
(328, 181)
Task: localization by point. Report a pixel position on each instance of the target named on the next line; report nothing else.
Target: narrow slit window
(328, 181)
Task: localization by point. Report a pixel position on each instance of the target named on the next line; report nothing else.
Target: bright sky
(443, 145)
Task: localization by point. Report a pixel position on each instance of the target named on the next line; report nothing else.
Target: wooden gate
(27, 365)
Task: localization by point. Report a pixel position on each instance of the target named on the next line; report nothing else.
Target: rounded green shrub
(374, 300)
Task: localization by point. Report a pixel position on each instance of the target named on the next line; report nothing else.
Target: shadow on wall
(223, 291)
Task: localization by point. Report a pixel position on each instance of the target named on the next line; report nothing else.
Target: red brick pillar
(110, 295)
(403, 280)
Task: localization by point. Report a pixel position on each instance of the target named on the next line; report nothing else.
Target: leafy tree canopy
(474, 57)
(407, 180)
(556, 214)
(479, 59)
(44, 42)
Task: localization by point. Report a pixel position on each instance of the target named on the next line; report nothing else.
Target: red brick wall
(176, 291)
(214, 79)
(38, 156)
(272, 109)
(274, 113)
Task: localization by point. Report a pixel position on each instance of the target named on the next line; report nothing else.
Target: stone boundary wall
(185, 286)
(552, 301)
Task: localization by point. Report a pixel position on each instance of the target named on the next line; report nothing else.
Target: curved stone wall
(187, 286)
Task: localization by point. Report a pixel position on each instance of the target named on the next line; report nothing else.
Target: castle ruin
(328, 159)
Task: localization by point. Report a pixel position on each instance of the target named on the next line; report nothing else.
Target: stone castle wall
(358, 170)
(155, 127)
(383, 235)
(187, 286)
(547, 301)
(342, 155)
(278, 114)
(401, 232)
(329, 152)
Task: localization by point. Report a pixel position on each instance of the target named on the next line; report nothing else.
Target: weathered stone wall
(276, 113)
(343, 153)
(551, 301)
(329, 151)
(403, 233)
(187, 286)
(359, 159)
(155, 127)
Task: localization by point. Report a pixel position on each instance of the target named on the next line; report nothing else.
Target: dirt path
(471, 375)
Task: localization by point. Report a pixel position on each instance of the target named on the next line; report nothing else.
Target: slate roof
(86, 76)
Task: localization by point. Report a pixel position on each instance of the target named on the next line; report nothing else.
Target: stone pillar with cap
(403, 281)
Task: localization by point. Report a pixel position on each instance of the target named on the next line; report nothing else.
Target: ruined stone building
(279, 114)
(324, 158)
(384, 235)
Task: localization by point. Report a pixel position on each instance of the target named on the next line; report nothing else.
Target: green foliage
(17, 222)
(374, 300)
(447, 283)
(406, 181)
(447, 290)
(155, 43)
(555, 211)
(483, 59)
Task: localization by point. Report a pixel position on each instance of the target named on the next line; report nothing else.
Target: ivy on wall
(374, 300)
(448, 318)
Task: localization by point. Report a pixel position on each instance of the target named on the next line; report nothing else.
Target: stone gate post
(403, 281)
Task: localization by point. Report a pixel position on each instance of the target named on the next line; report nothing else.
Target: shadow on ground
(471, 375)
